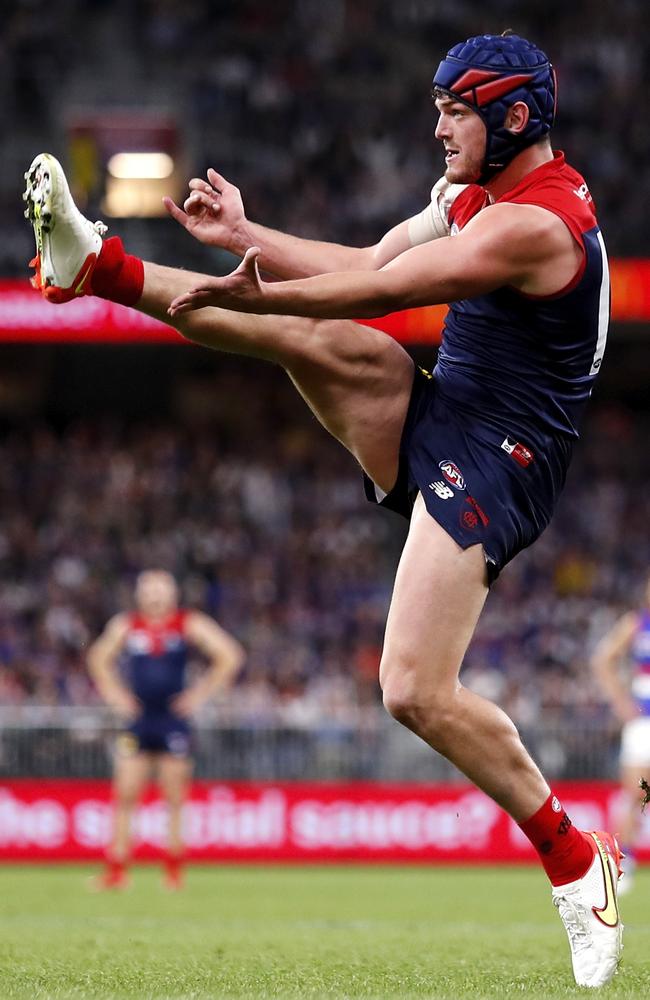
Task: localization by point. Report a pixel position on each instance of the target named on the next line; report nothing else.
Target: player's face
(156, 594)
(463, 133)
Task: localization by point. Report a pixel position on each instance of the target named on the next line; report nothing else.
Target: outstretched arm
(504, 244)
(214, 214)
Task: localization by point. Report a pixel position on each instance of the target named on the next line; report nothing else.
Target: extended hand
(242, 290)
(186, 703)
(125, 703)
(213, 212)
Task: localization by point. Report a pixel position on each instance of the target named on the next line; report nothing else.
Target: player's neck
(525, 162)
(156, 618)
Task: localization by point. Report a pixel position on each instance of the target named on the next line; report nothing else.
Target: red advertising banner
(27, 317)
(71, 820)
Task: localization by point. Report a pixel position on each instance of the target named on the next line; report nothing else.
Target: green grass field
(260, 932)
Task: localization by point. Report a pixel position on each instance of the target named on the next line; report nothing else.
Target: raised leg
(356, 380)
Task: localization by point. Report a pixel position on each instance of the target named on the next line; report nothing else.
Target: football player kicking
(474, 454)
(151, 695)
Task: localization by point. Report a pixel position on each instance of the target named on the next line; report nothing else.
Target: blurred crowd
(270, 534)
(320, 112)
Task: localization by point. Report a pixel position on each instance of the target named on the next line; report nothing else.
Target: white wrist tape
(433, 222)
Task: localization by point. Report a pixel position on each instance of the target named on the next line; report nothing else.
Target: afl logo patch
(452, 474)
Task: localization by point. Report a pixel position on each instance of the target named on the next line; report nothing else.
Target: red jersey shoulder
(559, 188)
(554, 185)
(174, 623)
(466, 205)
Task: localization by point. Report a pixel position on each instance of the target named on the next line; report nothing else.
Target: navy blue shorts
(482, 485)
(158, 734)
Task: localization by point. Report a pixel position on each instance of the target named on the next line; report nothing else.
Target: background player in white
(629, 640)
(152, 696)
(364, 389)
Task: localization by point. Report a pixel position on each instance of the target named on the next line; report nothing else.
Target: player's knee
(412, 703)
(127, 796)
(401, 696)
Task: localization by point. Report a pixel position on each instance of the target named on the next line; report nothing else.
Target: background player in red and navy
(629, 696)
(150, 692)
(475, 453)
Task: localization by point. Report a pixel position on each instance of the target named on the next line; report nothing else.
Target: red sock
(565, 852)
(117, 275)
(173, 864)
(115, 871)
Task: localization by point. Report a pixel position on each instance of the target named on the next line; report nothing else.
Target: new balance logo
(441, 490)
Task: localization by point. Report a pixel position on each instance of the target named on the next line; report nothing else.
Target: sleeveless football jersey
(522, 365)
(641, 660)
(155, 659)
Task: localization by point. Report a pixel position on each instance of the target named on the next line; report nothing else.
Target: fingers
(249, 260)
(218, 181)
(176, 213)
(198, 201)
(197, 298)
(198, 184)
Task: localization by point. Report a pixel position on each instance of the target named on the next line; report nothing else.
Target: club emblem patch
(452, 474)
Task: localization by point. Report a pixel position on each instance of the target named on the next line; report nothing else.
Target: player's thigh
(174, 774)
(439, 592)
(358, 382)
(130, 776)
(635, 753)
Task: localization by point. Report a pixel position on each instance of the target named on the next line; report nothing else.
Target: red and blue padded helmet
(489, 73)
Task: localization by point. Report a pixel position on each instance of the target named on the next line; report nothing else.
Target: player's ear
(517, 117)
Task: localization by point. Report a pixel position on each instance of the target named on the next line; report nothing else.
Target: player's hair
(490, 73)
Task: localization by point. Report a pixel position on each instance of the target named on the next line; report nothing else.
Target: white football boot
(67, 243)
(589, 911)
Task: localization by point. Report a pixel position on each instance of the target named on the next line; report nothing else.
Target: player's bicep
(210, 638)
(110, 643)
(492, 251)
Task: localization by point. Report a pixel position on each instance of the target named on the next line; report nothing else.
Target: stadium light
(141, 166)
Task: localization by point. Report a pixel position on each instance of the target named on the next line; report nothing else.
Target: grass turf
(259, 932)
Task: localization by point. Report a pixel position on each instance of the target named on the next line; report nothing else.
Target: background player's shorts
(159, 734)
(482, 485)
(635, 742)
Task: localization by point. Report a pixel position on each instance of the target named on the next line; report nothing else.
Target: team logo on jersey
(469, 519)
(139, 642)
(452, 474)
(441, 490)
(583, 193)
(521, 454)
(478, 510)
